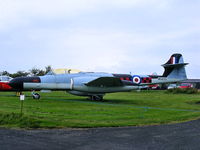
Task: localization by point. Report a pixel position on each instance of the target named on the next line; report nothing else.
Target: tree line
(32, 72)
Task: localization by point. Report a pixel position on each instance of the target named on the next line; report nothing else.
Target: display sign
(22, 97)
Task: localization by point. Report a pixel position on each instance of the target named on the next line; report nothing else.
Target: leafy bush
(183, 91)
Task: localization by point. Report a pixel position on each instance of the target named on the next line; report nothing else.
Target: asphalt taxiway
(184, 136)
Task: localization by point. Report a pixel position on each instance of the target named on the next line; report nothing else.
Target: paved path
(183, 136)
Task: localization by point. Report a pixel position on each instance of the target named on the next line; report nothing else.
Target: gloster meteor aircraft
(95, 85)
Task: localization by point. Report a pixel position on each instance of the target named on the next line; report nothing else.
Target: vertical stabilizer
(175, 68)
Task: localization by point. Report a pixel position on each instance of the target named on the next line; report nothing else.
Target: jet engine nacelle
(79, 82)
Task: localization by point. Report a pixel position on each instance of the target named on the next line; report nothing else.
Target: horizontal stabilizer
(105, 82)
(175, 65)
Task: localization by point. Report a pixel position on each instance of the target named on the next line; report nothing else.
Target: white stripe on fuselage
(50, 86)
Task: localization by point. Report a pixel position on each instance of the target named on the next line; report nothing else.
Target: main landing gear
(96, 97)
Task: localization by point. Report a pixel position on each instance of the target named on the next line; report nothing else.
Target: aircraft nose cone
(17, 83)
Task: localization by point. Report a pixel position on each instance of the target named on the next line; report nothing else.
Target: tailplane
(175, 68)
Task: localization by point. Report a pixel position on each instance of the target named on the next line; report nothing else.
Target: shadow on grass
(86, 100)
(119, 101)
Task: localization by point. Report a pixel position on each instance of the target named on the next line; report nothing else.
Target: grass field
(60, 109)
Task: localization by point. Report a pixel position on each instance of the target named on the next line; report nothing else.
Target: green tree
(37, 72)
(19, 74)
(48, 68)
(5, 73)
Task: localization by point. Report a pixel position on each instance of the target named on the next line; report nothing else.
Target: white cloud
(98, 35)
(18, 12)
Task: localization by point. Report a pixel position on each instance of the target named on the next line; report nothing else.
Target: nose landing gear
(35, 95)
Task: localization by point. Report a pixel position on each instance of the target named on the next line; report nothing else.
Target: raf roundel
(136, 79)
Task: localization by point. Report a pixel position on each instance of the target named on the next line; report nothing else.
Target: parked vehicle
(5, 78)
(185, 85)
(4, 83)
(154, 87)
(172, 86)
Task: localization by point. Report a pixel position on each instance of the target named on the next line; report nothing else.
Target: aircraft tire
(36, 96)
(96, 97)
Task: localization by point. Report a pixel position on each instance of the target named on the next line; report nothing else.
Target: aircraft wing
(105, 82)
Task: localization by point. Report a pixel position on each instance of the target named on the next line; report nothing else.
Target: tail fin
(175, 68)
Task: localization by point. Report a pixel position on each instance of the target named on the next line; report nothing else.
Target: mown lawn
(60, 109)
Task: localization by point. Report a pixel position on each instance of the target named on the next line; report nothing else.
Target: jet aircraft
(4, 86)
(96, 84)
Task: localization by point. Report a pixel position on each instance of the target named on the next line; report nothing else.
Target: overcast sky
(118, 36)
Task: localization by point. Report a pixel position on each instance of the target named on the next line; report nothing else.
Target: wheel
(99, 97)
(96, 97)
(36, 96)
